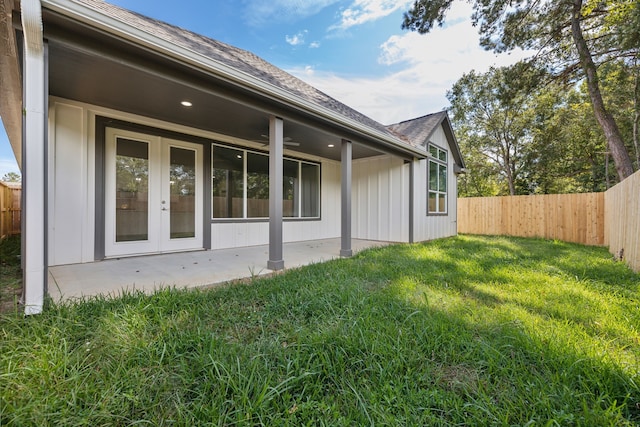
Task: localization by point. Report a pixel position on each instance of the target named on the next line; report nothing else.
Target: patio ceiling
(89, 66)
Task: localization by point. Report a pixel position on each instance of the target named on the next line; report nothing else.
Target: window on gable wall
(437, 191)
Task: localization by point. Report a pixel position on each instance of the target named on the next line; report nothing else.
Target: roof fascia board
(68, 43)
(115, 27)
(434, 128)
(448, 131)
(11, 82)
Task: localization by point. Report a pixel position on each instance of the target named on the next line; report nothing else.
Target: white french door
(153, 194)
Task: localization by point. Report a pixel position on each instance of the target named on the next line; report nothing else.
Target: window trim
(440, 164)
(245, 218)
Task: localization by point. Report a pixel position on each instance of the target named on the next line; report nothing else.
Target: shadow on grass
(10, 274)
(452, 332)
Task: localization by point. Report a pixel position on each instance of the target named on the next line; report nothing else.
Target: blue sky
(354, 50)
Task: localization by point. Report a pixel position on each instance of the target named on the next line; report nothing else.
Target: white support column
(345, 161)
(412, 198)
(33, 158)
(276, 147)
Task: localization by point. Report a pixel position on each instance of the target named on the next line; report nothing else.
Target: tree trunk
(621, 157)
(510, 177)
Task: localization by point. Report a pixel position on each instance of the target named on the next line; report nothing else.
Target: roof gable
(418, 131)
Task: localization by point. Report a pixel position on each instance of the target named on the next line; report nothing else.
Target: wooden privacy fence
(10, 196)
(575, 218)
(622, 220)
(604, 219)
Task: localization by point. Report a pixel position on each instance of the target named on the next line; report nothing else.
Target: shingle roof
(418, 131)
(236, 58)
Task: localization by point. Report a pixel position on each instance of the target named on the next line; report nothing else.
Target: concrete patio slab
(185, 269)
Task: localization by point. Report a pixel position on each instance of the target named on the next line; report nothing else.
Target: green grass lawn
(10, 274)
(461, 331)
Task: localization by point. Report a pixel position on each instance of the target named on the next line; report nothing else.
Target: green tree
(491, 112)
(621, 88)
(528, 135)
(570, 36)
(568, 150)
(11, 177)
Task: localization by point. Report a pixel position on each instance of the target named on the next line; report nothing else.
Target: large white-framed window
(240, 185)
(437, 182)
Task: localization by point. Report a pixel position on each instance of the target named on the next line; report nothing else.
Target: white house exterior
(136, 137)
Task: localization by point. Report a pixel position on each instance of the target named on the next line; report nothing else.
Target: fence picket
(9, 209)
(601, 219)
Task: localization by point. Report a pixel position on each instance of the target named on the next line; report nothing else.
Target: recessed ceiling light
(186, 103)
(330, 145)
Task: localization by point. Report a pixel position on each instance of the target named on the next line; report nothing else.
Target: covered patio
(184, 269)
(138, 138)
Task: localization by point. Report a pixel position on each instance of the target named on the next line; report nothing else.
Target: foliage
(569, 37)
(10, 250)
(492, 112)
(11, 177)
(556, 143)
(461, 331)
(10, 274)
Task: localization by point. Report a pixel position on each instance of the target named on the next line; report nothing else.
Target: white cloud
(426, 66)
(297, 39)
(259, 12)
(314, 45)
(362, 11)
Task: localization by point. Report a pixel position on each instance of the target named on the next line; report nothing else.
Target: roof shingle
(238, 59)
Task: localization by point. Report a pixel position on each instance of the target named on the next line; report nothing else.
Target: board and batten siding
(380, 192)
(72, 195)
(71, 192)
(380, 199)
(428, 227)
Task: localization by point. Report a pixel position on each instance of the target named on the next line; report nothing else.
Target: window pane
(442, 185)
(132, 190)
(290, 189)
(182, 183)
(442, 203)
(227, 183)
(433, 175)
(257, 185)
(433, 202)
(442, 155)
(310, 190)
(433, 151)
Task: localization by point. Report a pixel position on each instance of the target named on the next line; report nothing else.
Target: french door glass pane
(227, 183)
(182, 186)
(132, 190)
